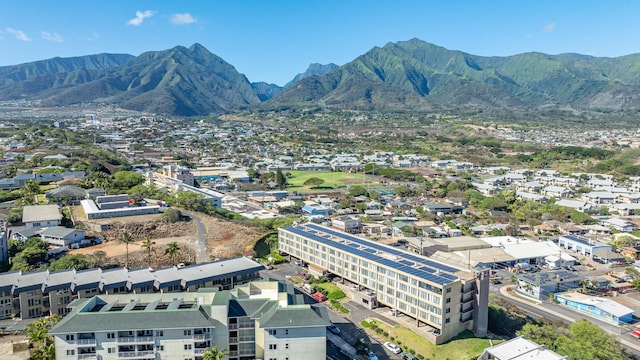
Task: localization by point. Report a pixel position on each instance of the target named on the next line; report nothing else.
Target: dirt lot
(225, 239)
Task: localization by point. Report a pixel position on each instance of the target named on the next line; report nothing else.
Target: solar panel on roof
(425, 273)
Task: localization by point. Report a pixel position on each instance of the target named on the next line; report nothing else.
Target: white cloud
(19, 34)
(182, 19)
(94, 36)
(549, 27)
(55, 37)
(140, 16)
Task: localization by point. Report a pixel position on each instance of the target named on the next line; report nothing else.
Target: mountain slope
(17, 73)
(178, 81)
(425, 75)
(314, 69)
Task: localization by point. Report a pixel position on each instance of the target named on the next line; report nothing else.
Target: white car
(392, 347)
(393, 312)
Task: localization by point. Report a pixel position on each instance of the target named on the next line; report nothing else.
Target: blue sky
(274, 40)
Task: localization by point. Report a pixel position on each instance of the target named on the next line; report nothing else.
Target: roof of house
(604, 304)
(35, 213)
(303, 315)
(58, 231)
(520, 348)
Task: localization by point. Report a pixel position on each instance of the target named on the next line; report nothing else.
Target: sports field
(331, 179)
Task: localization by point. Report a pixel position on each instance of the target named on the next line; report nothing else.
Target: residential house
(41, 216)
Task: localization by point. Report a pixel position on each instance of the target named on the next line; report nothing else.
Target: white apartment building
(258, 320)
(448, 299)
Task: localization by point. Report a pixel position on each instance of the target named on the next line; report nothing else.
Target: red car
(319, 297)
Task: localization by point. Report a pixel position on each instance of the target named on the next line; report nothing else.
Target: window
(448, 290)
(286, 331)
(187, 333)
(111, 350)
(71, 352)
(272, 331)
(111, 335)
(448, 310)
(286, 346)
(448, 300)
(70, 337)
(159, 332)
(273, 346)
(447, 320)
(187, 346)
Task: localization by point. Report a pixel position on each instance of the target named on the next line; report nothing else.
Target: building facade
(42, 293)
(448, 299)
(258, 320)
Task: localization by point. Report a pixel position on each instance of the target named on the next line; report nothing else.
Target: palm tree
(214, 354)
(148, 244)
(126, 239)
(172, 251)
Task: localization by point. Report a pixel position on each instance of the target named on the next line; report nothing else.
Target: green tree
(74, 261)
(313, 182)
(126, 239)
(172, 215)
(214, 354)
(30, 190)
(358, 191)
(172, 251)
(38, 335)
(148, 244)
(281, 180)
(125, 180)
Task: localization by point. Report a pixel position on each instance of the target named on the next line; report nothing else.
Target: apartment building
(448, 299)
(257, 320)
(36, 294)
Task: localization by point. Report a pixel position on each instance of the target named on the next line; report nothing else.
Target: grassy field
(463, 347)
(331, 179)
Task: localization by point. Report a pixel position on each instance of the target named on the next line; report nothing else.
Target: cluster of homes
(580, 191)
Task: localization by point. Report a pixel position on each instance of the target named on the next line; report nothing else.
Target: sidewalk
(537, 304)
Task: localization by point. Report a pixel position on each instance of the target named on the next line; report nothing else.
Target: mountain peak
(314, 69)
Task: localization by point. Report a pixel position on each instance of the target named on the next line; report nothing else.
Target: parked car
(392, 347)
(372, 356)
(393, 312)
(406, 356)
(334, 329)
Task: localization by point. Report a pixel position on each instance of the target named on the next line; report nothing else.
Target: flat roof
(607, 305)
(416, 265)
(520, 348)
(34, 213)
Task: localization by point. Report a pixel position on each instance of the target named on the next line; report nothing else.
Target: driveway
(200, 242)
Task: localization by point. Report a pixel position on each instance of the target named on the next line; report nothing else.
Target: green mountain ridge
(410, 75)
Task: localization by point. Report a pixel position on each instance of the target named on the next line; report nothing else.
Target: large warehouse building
(448, 299)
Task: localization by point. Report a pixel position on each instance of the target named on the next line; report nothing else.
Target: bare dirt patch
(224, 239)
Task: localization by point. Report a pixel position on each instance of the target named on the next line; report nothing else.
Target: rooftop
(35, 213)
(389, 256)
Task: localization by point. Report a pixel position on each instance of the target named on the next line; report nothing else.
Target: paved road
(200, 242)
(559, 313)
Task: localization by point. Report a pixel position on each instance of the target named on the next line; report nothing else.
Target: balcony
(135, 339)
(87, 356)
(233, 340)
(233, 326)
(199, 351)
(201, 337)
(243, 352)
(135, 354)
(247, 325)
(86, 342)
(247, 338)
